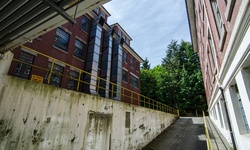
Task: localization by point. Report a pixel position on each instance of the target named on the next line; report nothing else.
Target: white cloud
(151, 24)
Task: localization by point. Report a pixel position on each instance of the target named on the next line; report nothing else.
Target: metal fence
(126, 95)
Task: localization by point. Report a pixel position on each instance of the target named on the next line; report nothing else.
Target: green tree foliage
(146, 64)
(177, 82)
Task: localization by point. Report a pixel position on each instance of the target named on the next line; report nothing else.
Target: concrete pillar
(243, 82)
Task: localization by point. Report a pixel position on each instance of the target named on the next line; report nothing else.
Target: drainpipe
(229, 123)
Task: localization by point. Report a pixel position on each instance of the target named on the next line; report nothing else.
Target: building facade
(220, 34)
(92, 45)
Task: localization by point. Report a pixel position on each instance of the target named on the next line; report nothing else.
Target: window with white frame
(212, 56)
(238, 107)
(217, 16)
(134, 81)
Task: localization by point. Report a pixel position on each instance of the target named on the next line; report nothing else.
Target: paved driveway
(187, 133)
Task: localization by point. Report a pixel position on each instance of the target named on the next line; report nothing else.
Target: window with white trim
(217, 16)
(134, 81)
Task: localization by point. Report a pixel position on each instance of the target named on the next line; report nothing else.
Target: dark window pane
(61, 39)
(124, 75)
(125, 57)
(84, 25)
(73, 80)
(134, 81)
(56, 76)
(137, 66)
(23, 69)
(131, 62)
(79, 49)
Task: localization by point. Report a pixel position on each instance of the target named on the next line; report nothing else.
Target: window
(137, 67)
(134, 81)
(119, 33)
(103, 15)
(125, 56)
(56, 77)
(124, 75)
(239, 110)
(96, 10)
(131, 62)
(61, 39)
(79, 49)
(217, 16)
(73, 82)
(127, 120)
(212, 55)
(127, 41)
(85, 24)
(23, 69)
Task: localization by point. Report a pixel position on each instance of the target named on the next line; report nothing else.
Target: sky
(152, 24)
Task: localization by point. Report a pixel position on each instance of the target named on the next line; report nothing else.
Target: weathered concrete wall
(39, 116)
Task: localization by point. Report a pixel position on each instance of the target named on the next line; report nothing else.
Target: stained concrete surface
(187, 133)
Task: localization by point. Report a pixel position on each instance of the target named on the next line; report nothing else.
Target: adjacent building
(220, 34)
(92, 45)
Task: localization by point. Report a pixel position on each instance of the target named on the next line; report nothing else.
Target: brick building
(220, 34)
(92, 45)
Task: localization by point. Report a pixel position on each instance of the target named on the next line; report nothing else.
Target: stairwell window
(73, 82)
(61, 39)
(79, 49)
(85, 24)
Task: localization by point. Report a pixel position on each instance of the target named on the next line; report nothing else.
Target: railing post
(112, 90)
(131, 97)
(98, 85)
(144, 100)
(138, 96)
(51, 69)
(78, 82)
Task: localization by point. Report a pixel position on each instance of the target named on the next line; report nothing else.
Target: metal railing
(209, 145)
(127, 95)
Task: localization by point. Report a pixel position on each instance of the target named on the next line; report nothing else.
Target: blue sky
(152, 24)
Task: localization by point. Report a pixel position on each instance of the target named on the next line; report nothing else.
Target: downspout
(227, 115)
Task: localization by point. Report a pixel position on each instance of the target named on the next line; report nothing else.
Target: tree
(146, 64)
(177, 82)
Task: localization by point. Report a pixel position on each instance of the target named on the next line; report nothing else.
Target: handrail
(135, 98)
(209, 145)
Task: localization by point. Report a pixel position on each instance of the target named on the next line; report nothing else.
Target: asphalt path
(187, 133)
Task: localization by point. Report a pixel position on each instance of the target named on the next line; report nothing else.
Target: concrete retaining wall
(39, 116)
